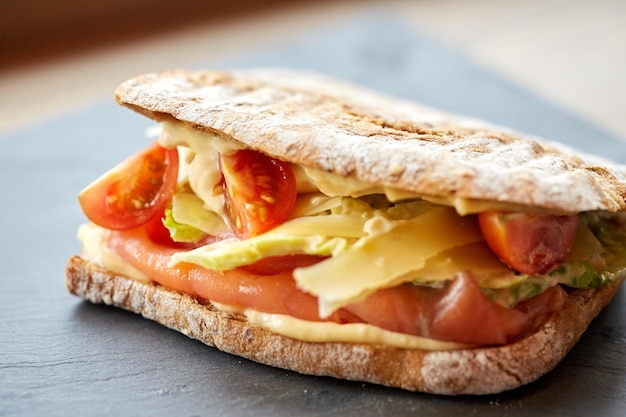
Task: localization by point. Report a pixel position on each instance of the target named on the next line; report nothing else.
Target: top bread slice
(354, 132)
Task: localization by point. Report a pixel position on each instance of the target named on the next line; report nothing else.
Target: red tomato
(157, 232)
(529, 243)
(133, 192)
(260, 191)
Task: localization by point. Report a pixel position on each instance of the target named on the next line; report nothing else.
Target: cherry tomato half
(158, 233)
(133, 192)
(260, 191)
(529, 243)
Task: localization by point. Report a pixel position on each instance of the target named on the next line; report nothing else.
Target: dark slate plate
(60, 356)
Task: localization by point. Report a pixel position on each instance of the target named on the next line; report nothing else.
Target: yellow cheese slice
(386, 257)
(475, 257)
(310, 204)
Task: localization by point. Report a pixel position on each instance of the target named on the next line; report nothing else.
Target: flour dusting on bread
(338, 127)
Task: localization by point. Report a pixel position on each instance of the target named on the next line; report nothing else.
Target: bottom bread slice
(467, 371)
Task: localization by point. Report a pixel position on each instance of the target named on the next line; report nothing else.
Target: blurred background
(58, 56)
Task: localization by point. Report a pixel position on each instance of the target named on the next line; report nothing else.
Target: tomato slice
(260, 191)
(529, 243)
(133, 192)
(158, 233)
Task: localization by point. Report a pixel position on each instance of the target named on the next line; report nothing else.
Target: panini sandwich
(314, 225)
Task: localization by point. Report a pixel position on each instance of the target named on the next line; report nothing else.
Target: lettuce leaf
(188, 220)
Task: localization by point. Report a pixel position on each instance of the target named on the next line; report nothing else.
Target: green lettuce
(188, 220)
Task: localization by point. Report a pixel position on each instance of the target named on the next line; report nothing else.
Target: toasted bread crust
(354, 132)
(471, 371)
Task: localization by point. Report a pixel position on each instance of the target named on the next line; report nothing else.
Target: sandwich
(314, 225)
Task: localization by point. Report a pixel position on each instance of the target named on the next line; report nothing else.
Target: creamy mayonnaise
(93, 239)
(200, 167)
